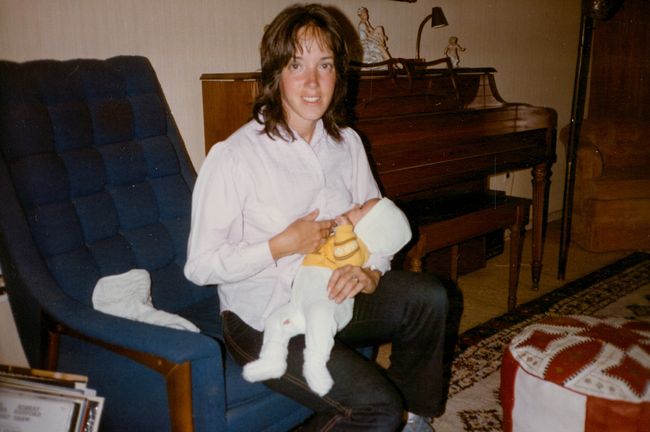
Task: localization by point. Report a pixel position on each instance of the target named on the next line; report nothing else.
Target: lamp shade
(438, 18)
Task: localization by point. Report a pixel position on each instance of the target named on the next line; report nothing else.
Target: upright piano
(428, 130)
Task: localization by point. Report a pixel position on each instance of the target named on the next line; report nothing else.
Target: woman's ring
(356, 279)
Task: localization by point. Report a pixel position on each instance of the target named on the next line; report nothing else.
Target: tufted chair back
(95, 181)
(94, 166)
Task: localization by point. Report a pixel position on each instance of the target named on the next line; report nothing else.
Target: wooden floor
(485, 290)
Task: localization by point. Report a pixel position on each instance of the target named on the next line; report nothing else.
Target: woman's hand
(303, 236)
(348, 281)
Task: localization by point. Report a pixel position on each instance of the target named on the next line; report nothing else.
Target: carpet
(621, 289)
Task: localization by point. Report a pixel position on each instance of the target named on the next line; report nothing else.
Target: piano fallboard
(413, 153)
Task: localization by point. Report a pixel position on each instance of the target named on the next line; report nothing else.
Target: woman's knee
(423, 290)
(434, 293)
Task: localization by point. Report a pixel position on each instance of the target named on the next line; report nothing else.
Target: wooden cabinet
(620, 65)
(227, 103)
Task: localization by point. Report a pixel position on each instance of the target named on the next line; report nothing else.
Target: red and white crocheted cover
(578, 373)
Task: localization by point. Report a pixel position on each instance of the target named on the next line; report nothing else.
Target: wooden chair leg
(51, 339)
(52, 356)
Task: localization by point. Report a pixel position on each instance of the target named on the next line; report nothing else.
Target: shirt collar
(317, 137)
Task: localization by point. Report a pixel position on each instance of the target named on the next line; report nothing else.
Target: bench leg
(415, 255)
(415, 265)
(516, 241)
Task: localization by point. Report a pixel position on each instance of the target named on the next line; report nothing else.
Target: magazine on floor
(33, 400)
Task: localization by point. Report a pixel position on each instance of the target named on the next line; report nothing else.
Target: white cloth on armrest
(128, 295)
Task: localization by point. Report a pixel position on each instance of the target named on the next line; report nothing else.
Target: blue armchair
(94, 181)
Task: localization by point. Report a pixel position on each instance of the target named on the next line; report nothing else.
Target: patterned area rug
(621, 289)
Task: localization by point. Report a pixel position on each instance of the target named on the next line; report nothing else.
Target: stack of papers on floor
(33, 400)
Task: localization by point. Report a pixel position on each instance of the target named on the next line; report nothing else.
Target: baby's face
(359, 211)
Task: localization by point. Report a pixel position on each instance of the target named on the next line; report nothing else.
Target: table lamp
(438, 20)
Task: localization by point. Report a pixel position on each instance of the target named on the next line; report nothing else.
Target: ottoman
(577, 373)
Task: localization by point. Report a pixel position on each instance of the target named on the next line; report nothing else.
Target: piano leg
(541, 175)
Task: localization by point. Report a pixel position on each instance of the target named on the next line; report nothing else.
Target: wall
(11, 352)
(531, 43)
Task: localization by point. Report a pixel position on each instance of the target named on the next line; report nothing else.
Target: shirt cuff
(379, 263)
(259, 256)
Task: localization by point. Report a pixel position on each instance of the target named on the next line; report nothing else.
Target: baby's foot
(264, 369)
(318, 377)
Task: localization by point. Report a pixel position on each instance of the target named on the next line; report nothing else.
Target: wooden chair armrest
(178, 377)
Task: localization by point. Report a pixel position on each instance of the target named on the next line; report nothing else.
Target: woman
(268, 194)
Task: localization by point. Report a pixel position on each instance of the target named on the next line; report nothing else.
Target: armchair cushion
(621, 184)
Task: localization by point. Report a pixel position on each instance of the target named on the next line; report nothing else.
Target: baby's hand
(342, 220)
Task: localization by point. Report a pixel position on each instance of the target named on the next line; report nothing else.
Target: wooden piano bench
(448, 221)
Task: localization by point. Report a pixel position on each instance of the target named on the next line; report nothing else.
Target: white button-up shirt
(249, 189)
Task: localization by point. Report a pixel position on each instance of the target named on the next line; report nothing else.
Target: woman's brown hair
(280, 45)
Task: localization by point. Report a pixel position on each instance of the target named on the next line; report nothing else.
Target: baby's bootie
(271, 364)
(315, 371)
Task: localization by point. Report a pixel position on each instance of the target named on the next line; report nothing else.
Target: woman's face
(307, 84)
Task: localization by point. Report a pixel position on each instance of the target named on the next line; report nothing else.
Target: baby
(378, 227)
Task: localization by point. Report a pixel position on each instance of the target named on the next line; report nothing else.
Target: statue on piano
(373, 39)
(452, 51)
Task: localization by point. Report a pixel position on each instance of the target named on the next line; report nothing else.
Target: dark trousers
(407, 309)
